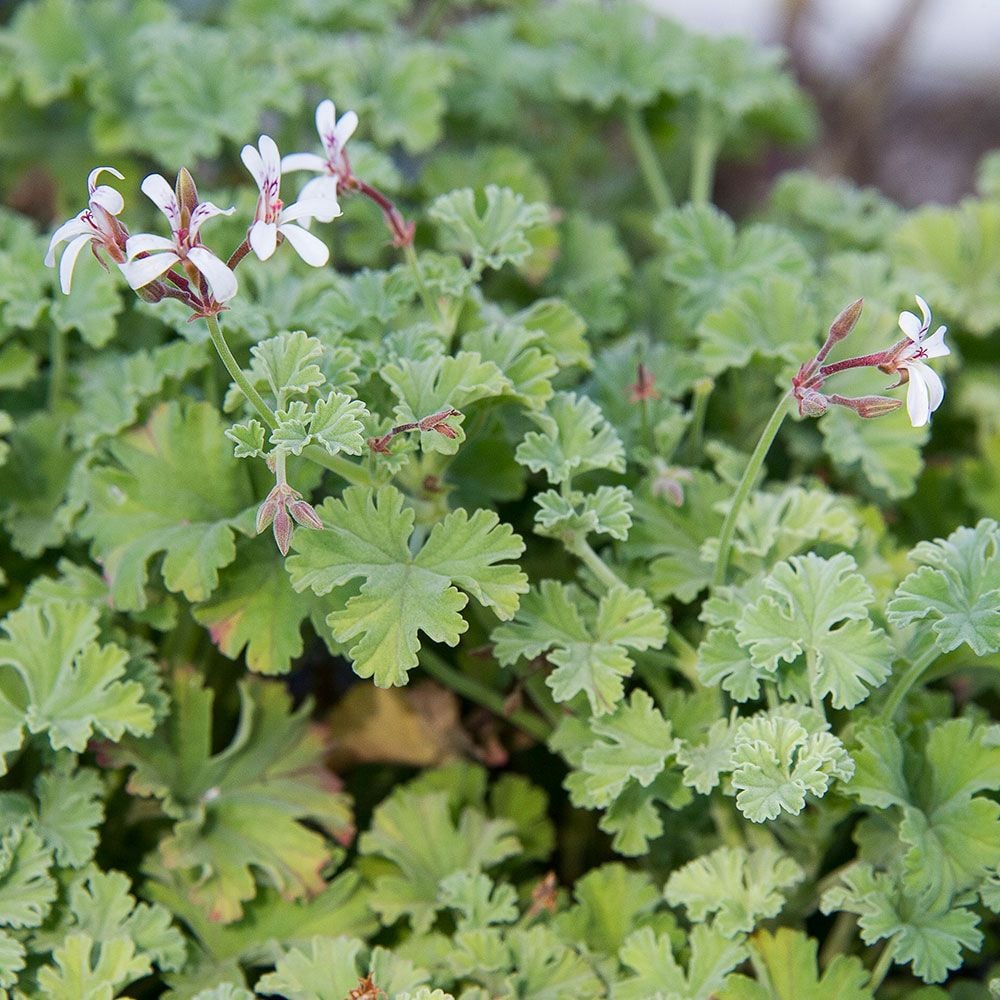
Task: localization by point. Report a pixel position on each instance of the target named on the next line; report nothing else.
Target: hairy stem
(425, 293)
(352, 472)
(704, 153)
(596, 565)
(909, 677)
(696, 429)
(882, 966)
(837, 940)
(493, 701)
(745, 486)
(649, 163)
(215, 332)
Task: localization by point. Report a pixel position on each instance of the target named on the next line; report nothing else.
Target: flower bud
(265, 512)
(868, 407)
(282, 529)
(845, 322)
(812, 403)
(305, 515)
(436, 422)
(187, 194)
(153, 292)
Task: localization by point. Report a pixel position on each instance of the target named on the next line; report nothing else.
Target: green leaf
(418, 836)
(478, 900)
(886, 451)
(27, 890)
(70, 808)
(323, 969)
(12, 959)
(83, 968)
(440, 383)
(956, 589)
(574, 438)
(586, 643)
(333, 423)
(514, 350)
(404, 593)
(658, 976)
(776, 762)
(494, 237)
(544, 968)
(92, 308)
(255, 610)
(738, 887)
(287, 364)
(950, 835)
(157, 498)
(562, 331)
(706, 258)
(771, 319)
(788, 958)
(819, 608)
(248, 438)
(606, 511)
(931, 937)
(61, 682)
(242, 810)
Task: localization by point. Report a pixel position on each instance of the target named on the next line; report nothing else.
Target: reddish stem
(402, 231)
(238, 254)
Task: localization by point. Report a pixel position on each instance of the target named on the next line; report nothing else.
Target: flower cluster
(906, 359)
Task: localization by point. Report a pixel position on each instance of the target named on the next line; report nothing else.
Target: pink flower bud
(282, 530)
(265, 512)
(187, 193)
(868, 407)
(305, 515)
(845, 322)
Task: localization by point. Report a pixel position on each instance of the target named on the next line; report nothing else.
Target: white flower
(95, 224)
(184, 243)
(332, 168)
(924, 390)
(272, 217)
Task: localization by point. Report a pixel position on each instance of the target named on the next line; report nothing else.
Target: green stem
(596, 565)
(696, 429)
(686, 656)
(535, 685)
(725, 823)
(425, 293)
(236, 373)
(649, 164)
(704, 153)
(492, 700)
(352, 472)
(902, 686)
(745, 486)
(838, 938)
(57, 365)
(882, 966)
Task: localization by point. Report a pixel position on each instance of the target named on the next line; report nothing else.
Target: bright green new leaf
(789, 958)
(158, 498)
(819, 608)
(658, 976)
(494, 237)
(404, 593)
(957, 589)
(738, 887)
(334, 423)
(55, 678)
(248, 438)
(928, 935)
(27, 889)
(606, 511)
(256, 611)
(424, 844)
(287, 364)
(574, 438)
(82, 967)
(241, 811)
(586, 643)
(776, 762)
(478, 900)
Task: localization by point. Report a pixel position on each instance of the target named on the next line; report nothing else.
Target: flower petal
(263, 238)
(270, 156)
(202, 212)
(75, 227)
(325, 209)
(917, 396)
(326, 121)
(146, 269)
(345, 128)
(925, 312)
(96, 172)
(220, 278)
(161, 194)
(935, 387)
(934, 346)
(911, 326)
(310, 248)
(302, 161)
(146, 243)
(108, 198)
(321, 189)
(253, 162)
(68, 261)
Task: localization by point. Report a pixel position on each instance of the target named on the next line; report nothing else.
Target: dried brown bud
(305, 515)
(868, 407)
(812, 403)
(436, 422)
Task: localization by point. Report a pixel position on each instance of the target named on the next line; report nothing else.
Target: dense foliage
(641, 718)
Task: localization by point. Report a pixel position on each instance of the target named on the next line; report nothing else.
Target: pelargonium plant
(533, 602)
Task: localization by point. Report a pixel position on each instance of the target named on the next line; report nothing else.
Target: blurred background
(908, 90)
